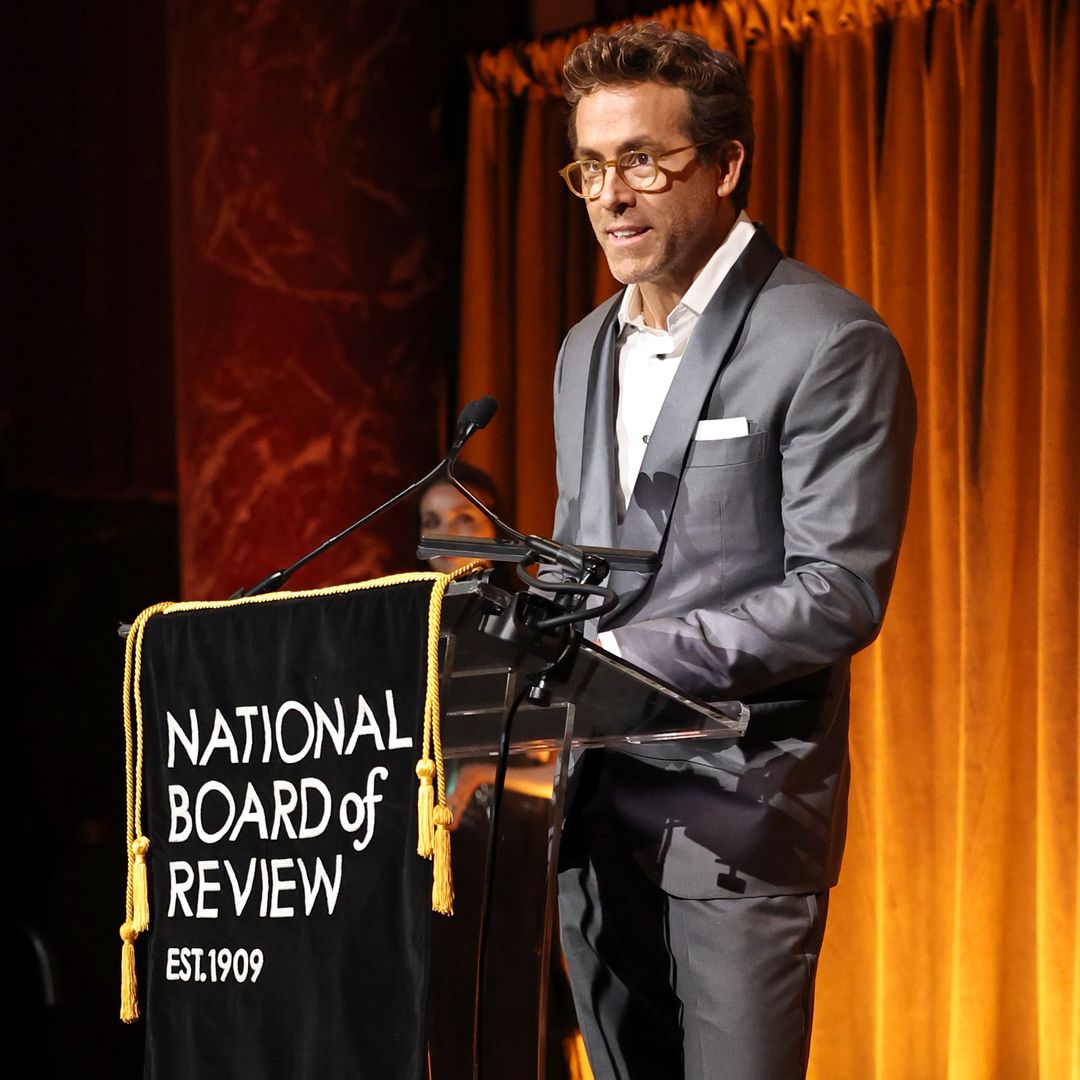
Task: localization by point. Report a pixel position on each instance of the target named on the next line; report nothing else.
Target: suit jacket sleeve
(845, 443)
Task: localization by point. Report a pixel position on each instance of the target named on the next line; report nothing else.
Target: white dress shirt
(648, 358)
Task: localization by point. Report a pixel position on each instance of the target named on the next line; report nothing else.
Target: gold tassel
(140, 893)
(442, 886)
(129, 991)
(425, 807)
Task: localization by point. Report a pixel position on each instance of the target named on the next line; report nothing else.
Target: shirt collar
(696, 298)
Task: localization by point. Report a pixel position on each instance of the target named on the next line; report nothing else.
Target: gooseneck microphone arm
(584, 570)
(567, 556)
(476, 415)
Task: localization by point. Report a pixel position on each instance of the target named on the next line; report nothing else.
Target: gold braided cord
(431, 692)
(437, 841)
(133, 768)
(129, 996)
(129, 781)
(137, 688)
(326, 590)
(433, 704)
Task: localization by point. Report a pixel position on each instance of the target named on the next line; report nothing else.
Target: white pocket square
(729, 427)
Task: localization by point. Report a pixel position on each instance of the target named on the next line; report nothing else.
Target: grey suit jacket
(778, 550)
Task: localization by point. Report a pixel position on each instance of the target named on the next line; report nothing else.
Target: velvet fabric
(290, 912)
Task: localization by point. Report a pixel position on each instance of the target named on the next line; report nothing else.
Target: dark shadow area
(75, 569)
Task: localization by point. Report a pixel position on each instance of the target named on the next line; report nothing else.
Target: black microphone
(476, 415)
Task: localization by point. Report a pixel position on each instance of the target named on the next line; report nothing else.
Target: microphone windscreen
(478, 413)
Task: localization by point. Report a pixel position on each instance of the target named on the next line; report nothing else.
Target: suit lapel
(599, 474)
(648, 516)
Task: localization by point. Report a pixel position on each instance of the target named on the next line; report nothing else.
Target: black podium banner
(289, 911)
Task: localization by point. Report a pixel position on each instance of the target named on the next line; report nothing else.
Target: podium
(601, 701)
(285, 905)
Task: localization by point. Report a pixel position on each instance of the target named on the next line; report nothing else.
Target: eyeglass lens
(637, 168)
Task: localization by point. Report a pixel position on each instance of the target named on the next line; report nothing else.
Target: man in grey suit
(754, 423)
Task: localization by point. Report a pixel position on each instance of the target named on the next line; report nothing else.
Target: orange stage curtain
(925, 155)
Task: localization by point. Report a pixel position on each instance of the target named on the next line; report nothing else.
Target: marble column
(313, 217)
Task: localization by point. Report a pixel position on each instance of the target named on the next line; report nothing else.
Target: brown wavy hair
(715, 85)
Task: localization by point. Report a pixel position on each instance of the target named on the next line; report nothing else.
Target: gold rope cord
(439, 817)
(136, 913)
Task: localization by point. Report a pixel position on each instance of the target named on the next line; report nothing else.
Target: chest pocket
(713, 452)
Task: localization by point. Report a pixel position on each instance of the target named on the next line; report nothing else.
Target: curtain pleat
(541, 214)
(1057, 651)
(487, 293)
(926, 156)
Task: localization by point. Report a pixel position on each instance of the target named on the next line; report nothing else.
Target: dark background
(88, 453)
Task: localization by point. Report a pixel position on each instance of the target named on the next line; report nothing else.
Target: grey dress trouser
(668, 988)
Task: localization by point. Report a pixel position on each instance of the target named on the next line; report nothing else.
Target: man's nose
(615, 190)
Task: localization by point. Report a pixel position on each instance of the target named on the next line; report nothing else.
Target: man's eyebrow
(641, 142)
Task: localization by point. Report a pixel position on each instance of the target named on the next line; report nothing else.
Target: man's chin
(626, 272)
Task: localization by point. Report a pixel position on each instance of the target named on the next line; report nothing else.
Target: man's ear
(730, 167)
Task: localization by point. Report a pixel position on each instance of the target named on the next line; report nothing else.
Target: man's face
(663, 236)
